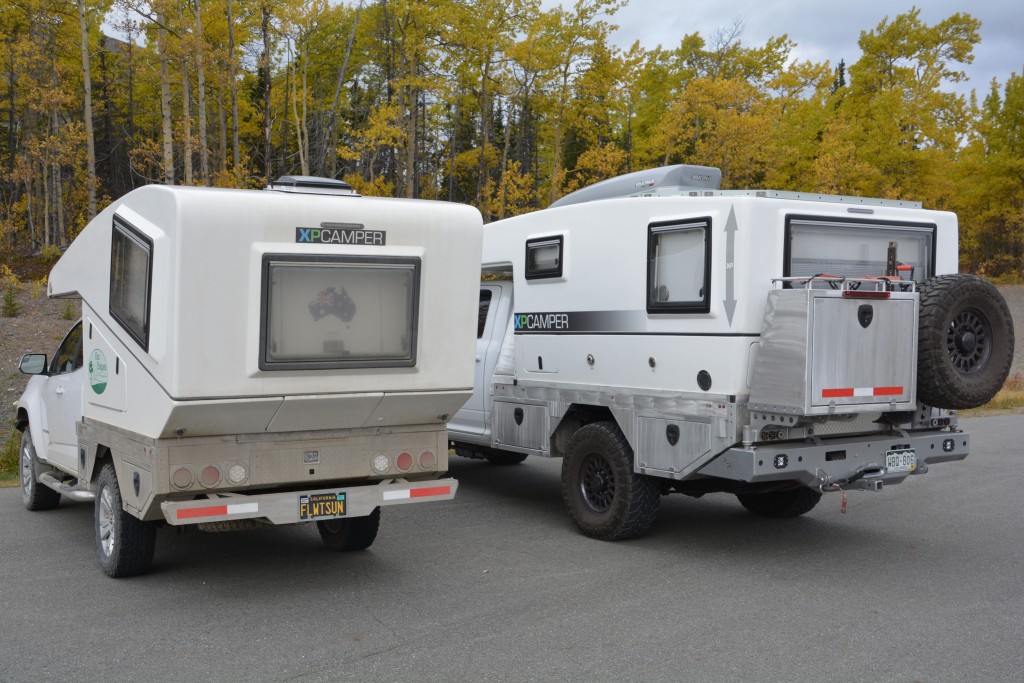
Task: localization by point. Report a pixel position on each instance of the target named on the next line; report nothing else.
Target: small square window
(131, 280)
(544, 257)
(678, 277)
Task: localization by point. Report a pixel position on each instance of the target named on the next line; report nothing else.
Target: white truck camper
(662, 335)
(253, 357)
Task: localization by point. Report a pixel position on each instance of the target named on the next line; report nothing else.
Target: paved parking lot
(922, 582)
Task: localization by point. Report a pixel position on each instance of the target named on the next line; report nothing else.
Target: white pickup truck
(662, 335)
(253, 357)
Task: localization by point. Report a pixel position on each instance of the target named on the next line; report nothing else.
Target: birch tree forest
(502, 104)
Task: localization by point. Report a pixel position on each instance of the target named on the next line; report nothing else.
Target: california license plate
(320, 505)
(902, 460)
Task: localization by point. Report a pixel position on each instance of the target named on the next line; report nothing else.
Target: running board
(60, 487)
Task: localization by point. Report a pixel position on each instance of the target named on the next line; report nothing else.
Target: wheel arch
(578, 415)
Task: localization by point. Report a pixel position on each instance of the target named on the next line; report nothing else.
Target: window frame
(130, 232)
(877, 224)
(413, 263)
(687, 224)
(549, 273)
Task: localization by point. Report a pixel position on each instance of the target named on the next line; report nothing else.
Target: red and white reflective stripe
(850, 392)
(217, 510)
(426, 492)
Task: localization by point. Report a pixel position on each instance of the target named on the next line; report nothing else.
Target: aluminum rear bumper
(284, 508)
(857, 462)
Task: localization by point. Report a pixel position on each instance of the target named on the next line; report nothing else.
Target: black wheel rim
(597, 483)
(969, 341)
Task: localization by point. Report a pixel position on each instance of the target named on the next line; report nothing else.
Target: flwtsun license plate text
(316, 505)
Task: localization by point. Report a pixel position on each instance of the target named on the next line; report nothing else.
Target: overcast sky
(825, 30)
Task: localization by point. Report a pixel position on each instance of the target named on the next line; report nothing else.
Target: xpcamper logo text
(355, 234)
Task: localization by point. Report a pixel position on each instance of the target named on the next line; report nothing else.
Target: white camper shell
(254, 357)
(663, 335)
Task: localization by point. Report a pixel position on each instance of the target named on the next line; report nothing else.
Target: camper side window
(678, 279)
(130, 275)
(544, 257)
(323, 312)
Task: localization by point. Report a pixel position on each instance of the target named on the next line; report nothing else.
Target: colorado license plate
(318, 505)
(903, 460)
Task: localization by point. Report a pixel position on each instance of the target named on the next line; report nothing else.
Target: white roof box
(306, 184)
(667, 180)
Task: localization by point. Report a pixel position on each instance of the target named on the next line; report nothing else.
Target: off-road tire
(350, 533)
(965, 342)
(604, 496)
(125, 544)
(34, 495)
(781, 504)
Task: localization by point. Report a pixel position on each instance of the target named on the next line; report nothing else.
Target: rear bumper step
(861, 465)
(306, 506)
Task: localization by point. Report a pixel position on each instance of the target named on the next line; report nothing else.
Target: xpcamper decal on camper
(579, 322)
(341, 233)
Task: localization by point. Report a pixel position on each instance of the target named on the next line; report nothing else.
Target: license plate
(320, 505)
(903, 460)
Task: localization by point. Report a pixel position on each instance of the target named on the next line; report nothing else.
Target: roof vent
(667, 180)
(306, 184)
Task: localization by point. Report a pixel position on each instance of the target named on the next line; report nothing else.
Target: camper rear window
(678, 278)
(130, 280)
(855, 248)
(323, 312)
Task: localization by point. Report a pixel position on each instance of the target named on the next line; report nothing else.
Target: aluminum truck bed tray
(306, 506)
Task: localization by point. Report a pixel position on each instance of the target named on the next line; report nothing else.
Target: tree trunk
(265, 68)
(90, 143)
(204, 148)
(165, 103)
(235, 150)
(222, 147)
(186, 122)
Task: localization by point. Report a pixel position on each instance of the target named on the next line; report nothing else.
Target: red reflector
(837, 393)
(888, 391)
(432, 491)
(189, 513)
(856, 294)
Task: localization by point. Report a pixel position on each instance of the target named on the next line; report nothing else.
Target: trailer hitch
(866, 478)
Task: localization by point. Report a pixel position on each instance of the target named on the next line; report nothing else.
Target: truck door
(62, 402)
(494, 314)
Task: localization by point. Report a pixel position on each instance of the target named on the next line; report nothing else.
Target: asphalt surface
(922, 582)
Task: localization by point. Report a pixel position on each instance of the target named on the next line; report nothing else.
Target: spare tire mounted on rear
(965, 342)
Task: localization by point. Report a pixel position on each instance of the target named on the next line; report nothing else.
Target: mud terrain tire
(604, 496)
(965, 342)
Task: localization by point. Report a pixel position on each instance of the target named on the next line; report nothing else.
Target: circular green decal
(98, 371)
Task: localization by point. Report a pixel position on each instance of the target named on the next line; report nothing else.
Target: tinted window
(130, 274)
(485, 305)
(68, 357)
